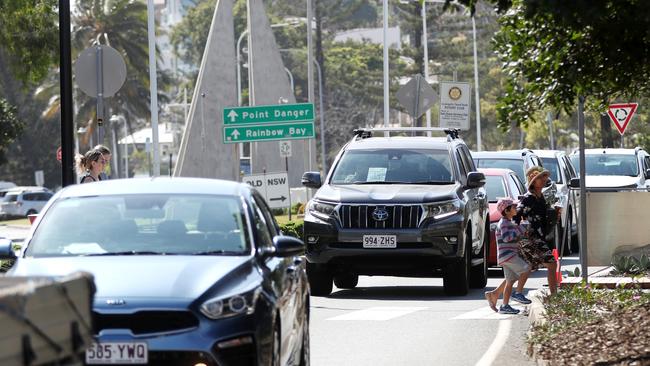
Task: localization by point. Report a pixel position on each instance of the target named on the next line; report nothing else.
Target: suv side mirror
(7, 249)
(287, 246)
(475, 180)
(311, 180)
(574, 183)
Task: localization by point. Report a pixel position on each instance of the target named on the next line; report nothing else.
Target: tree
(10, 127)
(554, 52)
(121, 24)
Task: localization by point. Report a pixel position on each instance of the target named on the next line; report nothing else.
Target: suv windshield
(142, 224)
(608, 164)
(512, 164)
(393, 166)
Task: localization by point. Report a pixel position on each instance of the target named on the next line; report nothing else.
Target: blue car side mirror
(7, 249)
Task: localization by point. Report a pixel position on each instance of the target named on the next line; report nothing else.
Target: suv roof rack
(452, 133)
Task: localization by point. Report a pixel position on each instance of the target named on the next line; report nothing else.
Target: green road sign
(268, 132)
(281, 113)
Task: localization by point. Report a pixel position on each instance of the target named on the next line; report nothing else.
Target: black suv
(398, 206)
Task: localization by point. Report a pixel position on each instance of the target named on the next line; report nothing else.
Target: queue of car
(197, 271)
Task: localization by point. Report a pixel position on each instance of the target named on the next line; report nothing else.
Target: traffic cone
(558, 272)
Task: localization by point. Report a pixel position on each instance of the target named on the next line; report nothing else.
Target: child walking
(508, 235)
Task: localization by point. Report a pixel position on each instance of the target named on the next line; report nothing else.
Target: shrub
(293, 228)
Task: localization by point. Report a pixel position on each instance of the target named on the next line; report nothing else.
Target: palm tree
(121, 24)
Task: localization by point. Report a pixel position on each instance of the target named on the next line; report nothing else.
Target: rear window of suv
(512, 164)
(417, 166)
(608, 164)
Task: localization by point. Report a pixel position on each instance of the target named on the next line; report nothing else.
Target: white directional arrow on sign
(232, 115)
(235, 134)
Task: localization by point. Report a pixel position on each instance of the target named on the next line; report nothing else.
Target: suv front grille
(361, 216)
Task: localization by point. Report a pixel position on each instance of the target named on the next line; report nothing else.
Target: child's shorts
(513, 268)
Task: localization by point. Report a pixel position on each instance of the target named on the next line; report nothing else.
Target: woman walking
(541, 219)
(90, 165)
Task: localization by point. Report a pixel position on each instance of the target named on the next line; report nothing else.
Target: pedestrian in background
(515, 268)
(90, 165)
(540, 215)
(106, 153)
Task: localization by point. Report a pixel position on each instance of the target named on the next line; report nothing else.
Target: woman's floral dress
(535, 248)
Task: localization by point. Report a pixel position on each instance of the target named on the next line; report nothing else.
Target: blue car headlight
(441, 210)
(320, 209)
(231, 305)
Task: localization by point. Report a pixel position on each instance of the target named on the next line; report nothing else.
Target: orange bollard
(558, 272)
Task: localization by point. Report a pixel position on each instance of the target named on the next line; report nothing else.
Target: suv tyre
(478, 274)
(346, 281)
(320, 279)
(456, 277)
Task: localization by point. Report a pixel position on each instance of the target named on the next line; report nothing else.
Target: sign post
(454, 105)
(268, 123)
(621, 114)
(285, 152)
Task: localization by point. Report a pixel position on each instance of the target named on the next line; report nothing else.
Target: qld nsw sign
(268, 122)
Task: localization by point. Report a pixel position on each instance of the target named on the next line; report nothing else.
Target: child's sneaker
(507, 309)
(520, 298)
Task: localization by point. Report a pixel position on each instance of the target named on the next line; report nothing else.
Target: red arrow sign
(621, 114)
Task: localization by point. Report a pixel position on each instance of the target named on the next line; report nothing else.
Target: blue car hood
(171, 276)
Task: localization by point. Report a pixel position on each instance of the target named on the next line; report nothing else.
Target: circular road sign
(113, 70)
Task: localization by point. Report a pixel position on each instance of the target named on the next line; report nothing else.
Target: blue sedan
(188, 271)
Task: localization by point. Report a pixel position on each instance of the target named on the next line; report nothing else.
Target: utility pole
(65, 78)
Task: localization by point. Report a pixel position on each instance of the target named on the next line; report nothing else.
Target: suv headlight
(442, 210)
(233, 305)
(321, 210)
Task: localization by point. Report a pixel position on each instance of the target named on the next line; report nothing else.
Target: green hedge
(293, 228)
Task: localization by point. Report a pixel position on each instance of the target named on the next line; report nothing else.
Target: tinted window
(261, 229)
(266, 211)
(393, 165)
(516, 187)
(461, 164)
(608, 164)
(467, 160)
(552, 165)
(171, 224)
(495, 187)
(512, 164)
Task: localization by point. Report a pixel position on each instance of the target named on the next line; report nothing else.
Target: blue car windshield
(142, 224)
(608, 164)
(393, 166)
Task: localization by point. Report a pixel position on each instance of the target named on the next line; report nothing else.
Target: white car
(23, 201)
(617, 169)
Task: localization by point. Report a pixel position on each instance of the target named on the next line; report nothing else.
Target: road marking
(499, 341)
(484, 313)
(378, 313)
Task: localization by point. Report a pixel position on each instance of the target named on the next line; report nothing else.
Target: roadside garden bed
(591, 326)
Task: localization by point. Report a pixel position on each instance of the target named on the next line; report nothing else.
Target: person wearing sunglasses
(91, 164)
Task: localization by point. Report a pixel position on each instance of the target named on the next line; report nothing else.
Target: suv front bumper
(422, 251)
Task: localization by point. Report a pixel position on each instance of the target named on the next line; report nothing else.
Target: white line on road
(482, 313)
(499, 340)
(378, 313)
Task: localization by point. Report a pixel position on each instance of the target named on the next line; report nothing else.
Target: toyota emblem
(380, 214)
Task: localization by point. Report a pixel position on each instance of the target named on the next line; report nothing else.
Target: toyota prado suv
(398, 206)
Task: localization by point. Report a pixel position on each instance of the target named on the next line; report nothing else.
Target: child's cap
(504, 203)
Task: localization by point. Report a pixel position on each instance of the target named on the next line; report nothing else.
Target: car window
(170, 224)
(10, 198)
(467, 160)
(608, 164)
(495, 187)
(516, 187)
(569, 164)
(268, 218)
(512, 164)
(261, 228)
(461, 164)
(28, 197)
(393, 165)
(553, 166)
(647, 162)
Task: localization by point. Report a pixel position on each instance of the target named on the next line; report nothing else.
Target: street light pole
(426, 56)
(386, 86)
(477, 103)
(153, 87)
(65, 76)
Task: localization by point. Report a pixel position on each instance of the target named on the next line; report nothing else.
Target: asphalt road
(410, 321)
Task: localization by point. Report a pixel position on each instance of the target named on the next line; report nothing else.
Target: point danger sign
(621, 114)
